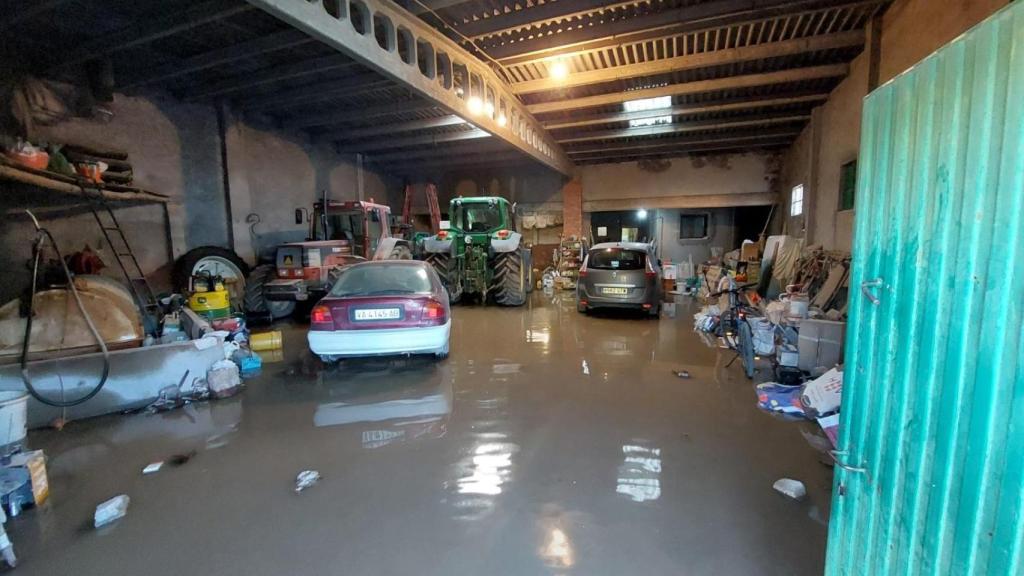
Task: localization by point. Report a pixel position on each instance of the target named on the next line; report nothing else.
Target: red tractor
(344, 233)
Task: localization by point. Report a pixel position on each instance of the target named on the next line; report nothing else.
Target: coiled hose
(41, 235)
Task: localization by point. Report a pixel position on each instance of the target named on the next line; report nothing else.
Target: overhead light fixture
(641, 214)
(502, 120)
(489, 109)
(475, 104)
(559, 70)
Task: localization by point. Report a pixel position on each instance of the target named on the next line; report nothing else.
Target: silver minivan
(620, 275)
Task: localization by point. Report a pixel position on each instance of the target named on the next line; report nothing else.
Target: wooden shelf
(69, 186)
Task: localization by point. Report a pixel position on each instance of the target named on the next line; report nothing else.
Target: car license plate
(378, 314)
(616, 291)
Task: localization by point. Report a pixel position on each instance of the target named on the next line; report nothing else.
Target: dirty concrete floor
(548, 443)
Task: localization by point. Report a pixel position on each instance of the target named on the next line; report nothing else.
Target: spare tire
(216, 260)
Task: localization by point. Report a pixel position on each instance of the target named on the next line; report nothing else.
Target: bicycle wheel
(746, 348)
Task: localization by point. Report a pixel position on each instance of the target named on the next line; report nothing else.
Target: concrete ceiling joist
(430, 65)
(681, 109)
(425, 140)
(291, 71)
(464, 160)
(471, 147)
(394, 128)
(425, 6)
(693, 61)
(238, 52)
(576, 36)
(311, 120)
(152, 29)
(730, 200)
(352, 86)
(696, 87)
(683, 150)
(683, 127)
(702, 140)
(535, 15)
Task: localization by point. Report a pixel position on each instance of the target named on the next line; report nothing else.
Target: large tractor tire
(217, 261)
(510, 278)
(444, 265)
(400, 252)
(257, 303)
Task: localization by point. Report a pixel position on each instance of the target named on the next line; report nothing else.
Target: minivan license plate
(378, 314)
(617, 291)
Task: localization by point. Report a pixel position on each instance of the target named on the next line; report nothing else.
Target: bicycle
(734, 327)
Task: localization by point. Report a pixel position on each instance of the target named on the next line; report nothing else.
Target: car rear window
(382, 280)
(616, 259)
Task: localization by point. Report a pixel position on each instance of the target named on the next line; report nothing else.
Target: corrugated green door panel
(933, 407)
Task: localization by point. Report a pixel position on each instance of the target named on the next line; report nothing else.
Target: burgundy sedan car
(382, 308)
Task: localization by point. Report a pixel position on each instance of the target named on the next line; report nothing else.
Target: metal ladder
(145, 299)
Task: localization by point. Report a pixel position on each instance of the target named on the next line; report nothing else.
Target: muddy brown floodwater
(548, 443)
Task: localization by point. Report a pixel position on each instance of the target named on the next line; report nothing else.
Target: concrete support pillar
(572, 208)
(236, 183)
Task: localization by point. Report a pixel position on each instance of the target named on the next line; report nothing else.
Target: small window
(796, 201)
(847, 185)
(693, 226)
(645, 104)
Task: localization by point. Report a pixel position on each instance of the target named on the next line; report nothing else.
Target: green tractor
(480, 253)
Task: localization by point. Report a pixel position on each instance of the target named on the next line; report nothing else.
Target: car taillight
(583, 269)
(433, 310)
(503, 234)
(650, 273)
(442, 234)
(321, 315)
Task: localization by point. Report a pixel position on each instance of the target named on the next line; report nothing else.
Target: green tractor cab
(481, 253)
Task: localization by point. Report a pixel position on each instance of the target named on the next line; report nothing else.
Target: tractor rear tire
(444, 265)
(401, 252)
(256, 302)
(510, 277)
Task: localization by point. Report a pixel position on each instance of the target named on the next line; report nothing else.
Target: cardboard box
(750, 252)
(820, 344)
(35, 462)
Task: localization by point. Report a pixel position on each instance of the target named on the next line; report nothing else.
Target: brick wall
(572, 208)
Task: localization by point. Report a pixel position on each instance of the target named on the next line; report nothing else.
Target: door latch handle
(835, 458)
(866, 287)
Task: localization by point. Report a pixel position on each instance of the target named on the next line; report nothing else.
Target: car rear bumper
(425, 340)
(599, 301)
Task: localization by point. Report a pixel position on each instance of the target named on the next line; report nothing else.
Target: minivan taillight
(650, 273)
(433, 312)
(583, 269)
(321, 315)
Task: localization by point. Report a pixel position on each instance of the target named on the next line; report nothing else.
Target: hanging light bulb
(559, 70)
(502, 120)
(475, 104)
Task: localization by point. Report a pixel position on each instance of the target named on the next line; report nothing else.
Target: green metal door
(930, 465)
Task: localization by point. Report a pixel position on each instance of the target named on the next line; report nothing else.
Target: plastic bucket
(265, 341)
(13, 420)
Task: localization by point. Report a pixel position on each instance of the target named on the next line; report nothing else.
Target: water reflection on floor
(548, 443)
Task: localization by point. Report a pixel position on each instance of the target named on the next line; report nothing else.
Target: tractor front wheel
(510, 278)
(401, 252)
(444, 265)
(257, 303)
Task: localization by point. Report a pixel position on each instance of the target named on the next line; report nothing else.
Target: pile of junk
(781, 307)
(78, 343)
